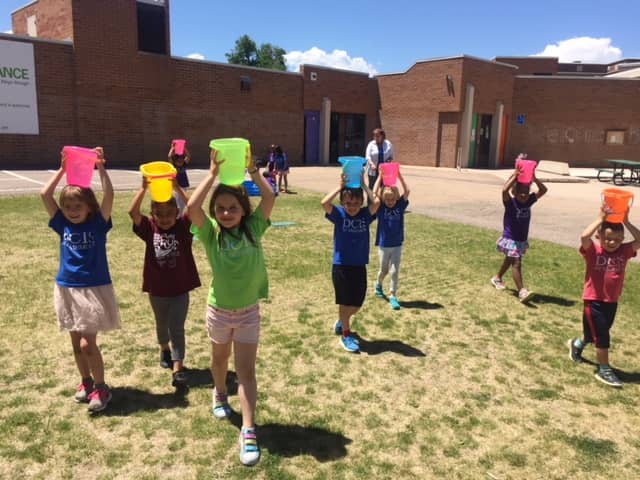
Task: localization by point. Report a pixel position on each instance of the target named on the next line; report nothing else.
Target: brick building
(105, 75)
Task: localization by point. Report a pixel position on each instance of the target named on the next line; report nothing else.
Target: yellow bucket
(160, 177)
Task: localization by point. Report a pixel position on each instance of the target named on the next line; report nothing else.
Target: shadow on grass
(201, 378)
(421, 304)
(626, 377)
(294, 440)
(542, 299)
(128, 400)
(376, 347)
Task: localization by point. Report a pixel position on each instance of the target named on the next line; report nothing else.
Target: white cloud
(584, 49)
(336, 59)
(196, 56)
(8, 31)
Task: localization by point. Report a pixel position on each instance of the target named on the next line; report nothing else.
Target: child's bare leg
(81, 360)
(345, 312)
(516, 270)
(245, 361)
(220, 353)
(91, 352)
(286, 183)
(504, 267)
(602, 354)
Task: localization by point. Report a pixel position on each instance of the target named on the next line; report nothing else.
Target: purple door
(311, 137)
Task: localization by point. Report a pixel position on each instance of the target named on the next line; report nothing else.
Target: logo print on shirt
(354, 225)
(165, 246)
(610, 264)
(79, 240)
(522, 213)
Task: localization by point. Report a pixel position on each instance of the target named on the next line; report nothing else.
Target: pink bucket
(527, 169)
(389, 173)
(178, 146)
(79, 165)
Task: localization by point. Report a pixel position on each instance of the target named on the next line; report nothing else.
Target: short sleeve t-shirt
(169, 267)
(239, 270)
(604, 276)
(517, 217)
(83, 251)
(350, 236)
(390, 228)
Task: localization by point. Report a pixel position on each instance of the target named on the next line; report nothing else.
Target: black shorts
(597, 320)
(350, 284)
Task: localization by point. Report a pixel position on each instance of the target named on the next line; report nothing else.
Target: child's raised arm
(373, 201)
(196, 213)
(405, 188)
(134, 209)
(327, 201)
(182, 195)
(508, 185)
(172, 150)
(542, 188)
(634, 232)
(187, 155)
(267, 195)
(585, 237)
(107, 187)
(46, 194)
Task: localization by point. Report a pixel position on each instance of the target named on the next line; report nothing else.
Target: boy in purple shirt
(517, 201)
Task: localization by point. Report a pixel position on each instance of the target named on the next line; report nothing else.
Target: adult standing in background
(379, 150)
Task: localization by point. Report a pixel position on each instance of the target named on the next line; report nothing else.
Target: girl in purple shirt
(517, 201)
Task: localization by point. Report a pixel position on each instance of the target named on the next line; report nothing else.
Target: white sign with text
(18, 97)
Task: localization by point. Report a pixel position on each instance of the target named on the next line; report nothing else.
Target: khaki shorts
(86, 309)
(242, 325)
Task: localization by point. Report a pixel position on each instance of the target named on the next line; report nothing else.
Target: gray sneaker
(607, 376)
(575, 353)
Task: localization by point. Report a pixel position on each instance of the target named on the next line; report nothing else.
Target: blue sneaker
(350, 344)
(221, 408)
(337, 327)
(395, 304)
(379, 292)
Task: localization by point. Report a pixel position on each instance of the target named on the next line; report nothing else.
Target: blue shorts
(597, 320)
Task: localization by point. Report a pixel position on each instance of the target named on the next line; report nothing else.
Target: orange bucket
(617, 202)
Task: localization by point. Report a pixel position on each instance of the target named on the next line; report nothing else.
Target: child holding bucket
(390, 234)
(169, 273)
(180, 157)
(84, 298)
(517, 201)
(350, 252)
(606, 260)
(231, 234)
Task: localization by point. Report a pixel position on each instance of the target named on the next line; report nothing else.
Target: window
(152, 36)
(245, 83)
(614, 137)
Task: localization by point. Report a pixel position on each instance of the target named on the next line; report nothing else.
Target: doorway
(347, 137)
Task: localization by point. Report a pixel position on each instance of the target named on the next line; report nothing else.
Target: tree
(246, 52)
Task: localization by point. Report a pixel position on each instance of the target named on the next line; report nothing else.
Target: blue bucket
(251, 188)
(352, 168)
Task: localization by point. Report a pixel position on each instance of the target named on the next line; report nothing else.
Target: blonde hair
(388, 191)
(85, 195)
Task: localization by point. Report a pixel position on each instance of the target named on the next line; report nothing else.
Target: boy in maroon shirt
(606, 261)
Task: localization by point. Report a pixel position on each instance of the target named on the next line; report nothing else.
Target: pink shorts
(242, 325)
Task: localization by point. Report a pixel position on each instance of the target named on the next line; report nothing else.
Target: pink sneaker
(83, 391)
(99, 398)
(498, 283)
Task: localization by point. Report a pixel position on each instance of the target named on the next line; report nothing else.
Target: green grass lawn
(463, 382)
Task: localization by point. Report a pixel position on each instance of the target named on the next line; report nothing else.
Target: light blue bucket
(352, 168)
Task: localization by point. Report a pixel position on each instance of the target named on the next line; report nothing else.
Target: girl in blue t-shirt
(84, 298)
(350, 253)
(231, 235)
(513, 243)
(390, 235)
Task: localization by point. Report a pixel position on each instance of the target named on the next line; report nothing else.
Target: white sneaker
(524, 295)
(498, 283)
(249, 449)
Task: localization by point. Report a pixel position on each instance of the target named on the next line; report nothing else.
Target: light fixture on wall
(313, 76)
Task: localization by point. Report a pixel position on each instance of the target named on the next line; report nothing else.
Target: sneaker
(607, 376)
(575, 353)
(524, 295)
(337, 327)
(179, 379)
(498, 283)
(83, 391)
(99, 399)
(249, 449)
(395, 304)
(350, 344)
(379, 292)
(165, 359)
(221, 408)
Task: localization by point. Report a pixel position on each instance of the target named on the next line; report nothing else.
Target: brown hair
(355, 193)
(85, 195)
(240, 193)
(381, 132)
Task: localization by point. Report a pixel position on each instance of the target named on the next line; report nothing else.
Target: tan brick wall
(54, 20)
(566, 119)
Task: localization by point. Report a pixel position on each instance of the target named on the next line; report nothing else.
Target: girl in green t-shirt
(231, 234)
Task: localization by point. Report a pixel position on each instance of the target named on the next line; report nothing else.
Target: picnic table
(623, 172)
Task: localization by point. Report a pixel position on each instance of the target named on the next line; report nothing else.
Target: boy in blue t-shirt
(350, 253)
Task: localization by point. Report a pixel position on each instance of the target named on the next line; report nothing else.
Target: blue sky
(387, 37)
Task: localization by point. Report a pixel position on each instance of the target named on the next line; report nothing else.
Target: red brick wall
(532, 65)
(566, 119)
(411, 106)
(493, 82)
(53, 19)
